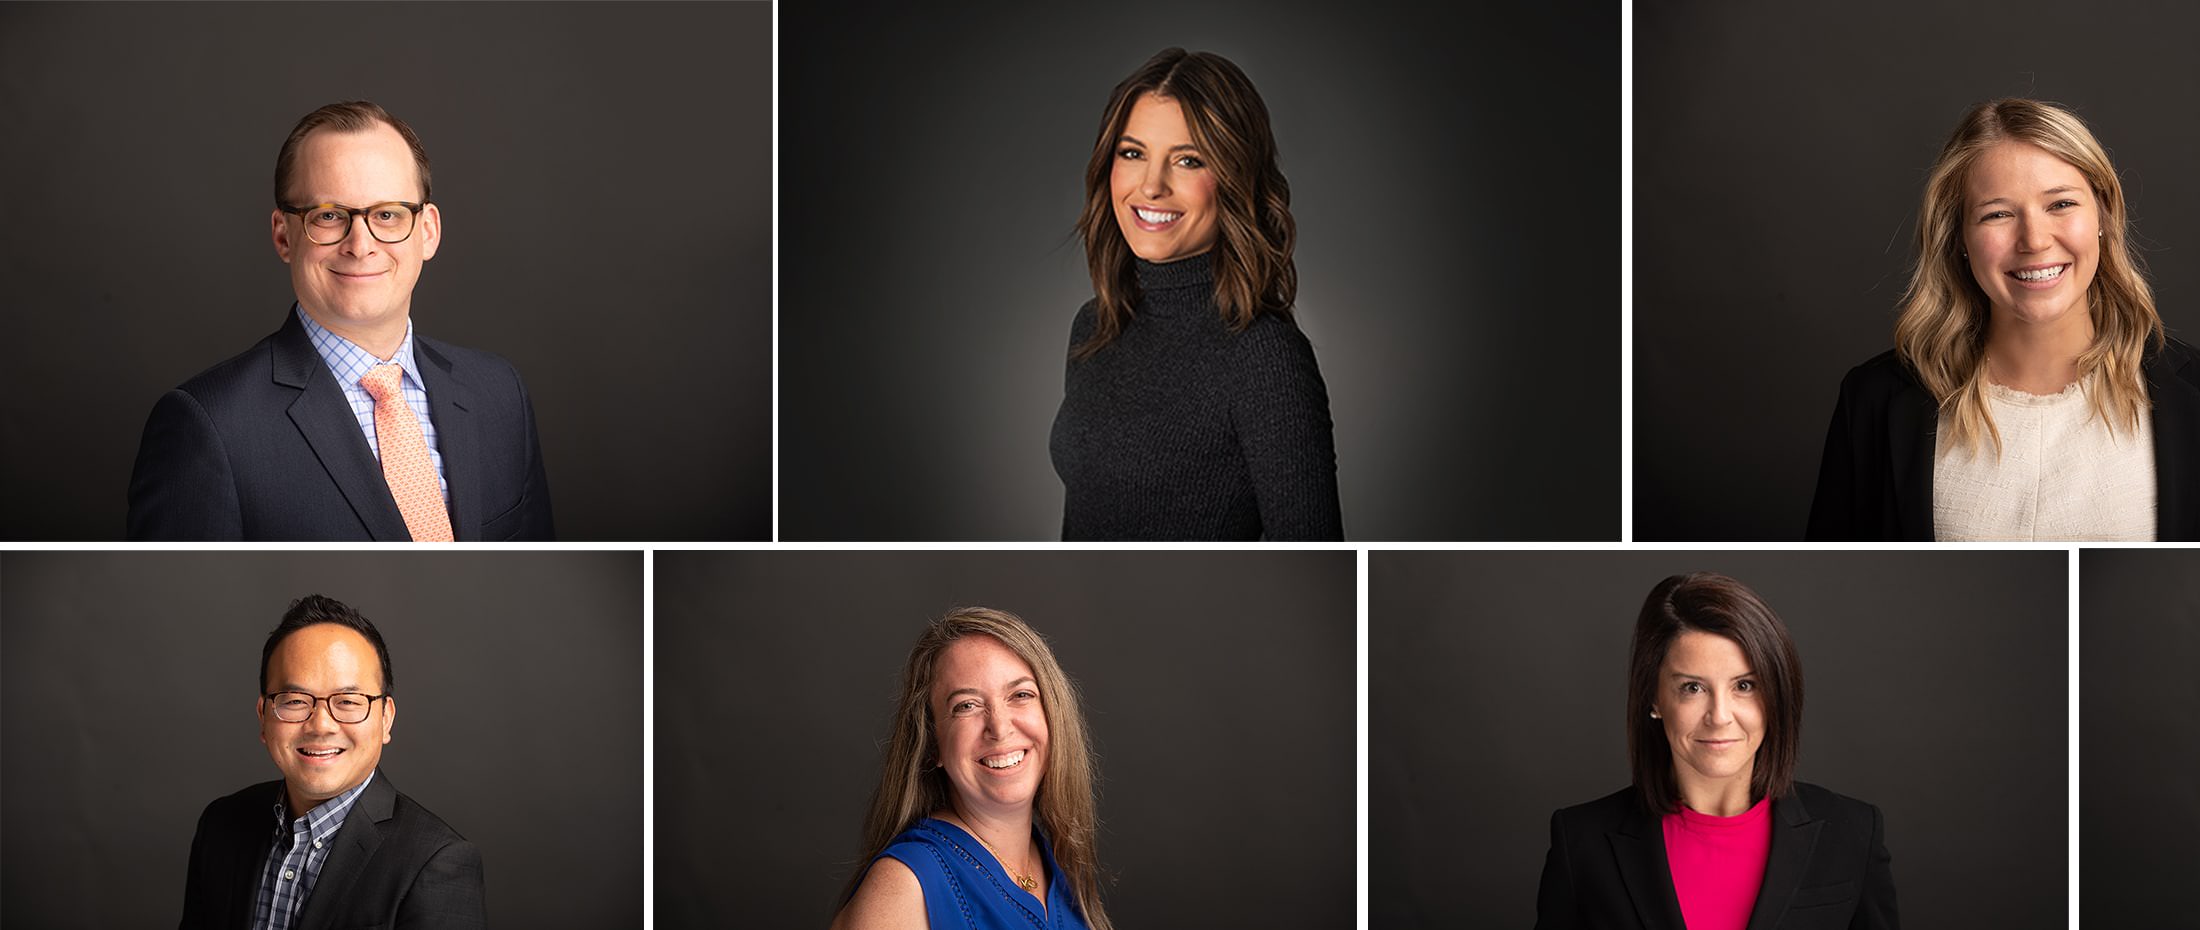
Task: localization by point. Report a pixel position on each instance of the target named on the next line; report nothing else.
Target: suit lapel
(356, 842)
(1794, 838)
(2176, 406)
(1639, 846)
(1912, 427)
(248, 862)
(451, 403)
(324, 418)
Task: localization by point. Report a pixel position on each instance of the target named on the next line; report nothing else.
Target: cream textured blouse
(2061, 475)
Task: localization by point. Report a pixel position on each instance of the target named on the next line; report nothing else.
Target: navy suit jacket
(1875, 480)
(264, 447)
(394, 865)
(1828, 868)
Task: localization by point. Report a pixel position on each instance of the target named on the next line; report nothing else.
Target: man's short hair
(349, 116)
(314, 608)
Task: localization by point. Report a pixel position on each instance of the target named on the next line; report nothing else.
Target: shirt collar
(348, 362)
(324, 819)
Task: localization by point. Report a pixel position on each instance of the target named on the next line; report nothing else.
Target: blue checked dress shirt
(294, 863)
(349, 363)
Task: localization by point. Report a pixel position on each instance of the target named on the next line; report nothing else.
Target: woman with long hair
(1192, 409)
(2032, 393)
(1715, 833)
(984, 816)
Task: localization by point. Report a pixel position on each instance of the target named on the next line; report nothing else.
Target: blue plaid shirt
(294, 862)
(349, 363)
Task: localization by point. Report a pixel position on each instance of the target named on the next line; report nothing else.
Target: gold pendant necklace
(1024, 881)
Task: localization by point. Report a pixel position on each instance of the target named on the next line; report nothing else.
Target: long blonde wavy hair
(912, 786)
(1941, 333)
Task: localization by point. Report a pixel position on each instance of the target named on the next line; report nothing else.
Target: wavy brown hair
(1229, 123)
(1941, 333)
(912, 786)
(1712, 603)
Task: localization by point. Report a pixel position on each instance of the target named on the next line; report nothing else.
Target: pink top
(1718, 864)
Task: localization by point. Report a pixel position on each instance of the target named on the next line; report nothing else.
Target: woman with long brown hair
(1193, 408)
(2032, 393)
(984, 816)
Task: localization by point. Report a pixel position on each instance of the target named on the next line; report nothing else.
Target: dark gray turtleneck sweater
(1183, 430)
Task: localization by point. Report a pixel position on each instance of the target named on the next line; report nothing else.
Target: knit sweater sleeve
(1280, 411)
(1080, 329)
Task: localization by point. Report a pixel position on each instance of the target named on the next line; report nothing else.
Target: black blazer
(264, 447)
(1875, 481)
(1828, 870)
(395, 865)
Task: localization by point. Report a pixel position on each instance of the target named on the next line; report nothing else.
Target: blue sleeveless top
(965, 887)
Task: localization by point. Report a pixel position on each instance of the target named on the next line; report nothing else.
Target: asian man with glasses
(333, 843)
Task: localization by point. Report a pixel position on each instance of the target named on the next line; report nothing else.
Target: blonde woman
(2032, 393)
(984, 816)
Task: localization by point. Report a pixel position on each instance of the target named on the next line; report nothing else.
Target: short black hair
(315, 608)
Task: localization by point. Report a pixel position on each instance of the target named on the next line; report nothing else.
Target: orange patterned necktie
(405, 463)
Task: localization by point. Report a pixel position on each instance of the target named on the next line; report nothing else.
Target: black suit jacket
(264, 447)
(1875, 481)
(1828, 870)
(394, 865)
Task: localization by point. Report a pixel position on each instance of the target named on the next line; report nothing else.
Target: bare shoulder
(890, 898)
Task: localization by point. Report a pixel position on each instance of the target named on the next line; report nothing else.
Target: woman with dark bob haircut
(1193, 409)
(984, 817)
(1715, 833)
(2032, 393)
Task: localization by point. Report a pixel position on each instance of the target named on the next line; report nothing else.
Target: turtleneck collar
(1196, 271)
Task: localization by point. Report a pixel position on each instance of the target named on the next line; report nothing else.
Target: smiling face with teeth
(319, 757)
(991, 726)
(2033, 231)
(1163, 187)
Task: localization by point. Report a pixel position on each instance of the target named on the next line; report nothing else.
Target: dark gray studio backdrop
(1780, 150)
(1454, 174)
(604, 172)
(1218, 685)
(126, 686)
(1934, 688)
(2138, 642)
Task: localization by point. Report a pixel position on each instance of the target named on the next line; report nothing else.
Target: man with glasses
(333, 844)
(344, 424)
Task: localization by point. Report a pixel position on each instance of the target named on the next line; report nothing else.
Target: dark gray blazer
(1875, 481)
(395, 865)
(264, 447)
(1828, 869)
